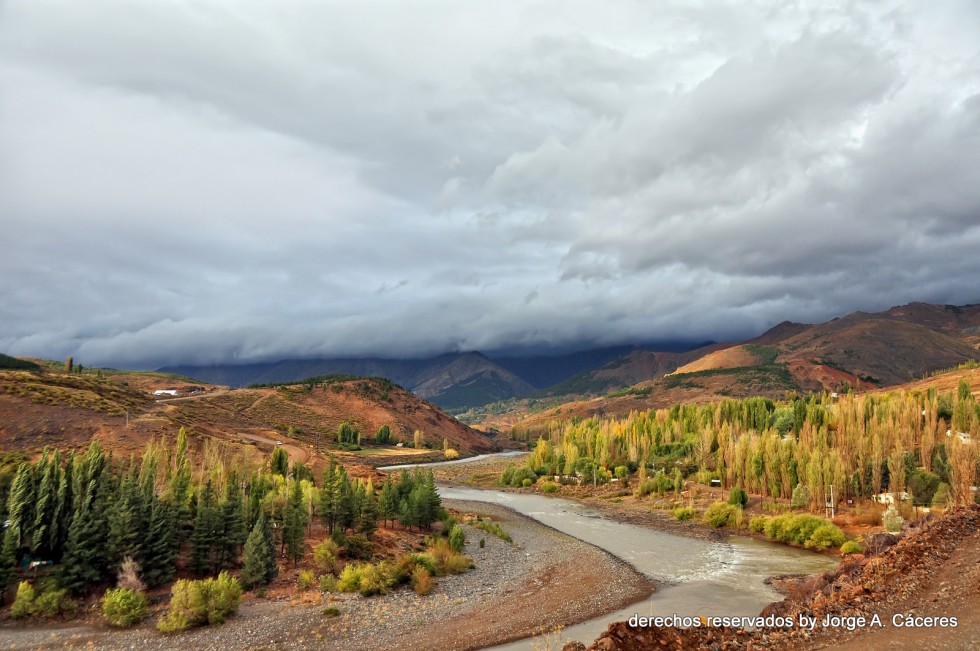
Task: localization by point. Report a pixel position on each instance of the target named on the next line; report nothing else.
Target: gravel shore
(544, 580)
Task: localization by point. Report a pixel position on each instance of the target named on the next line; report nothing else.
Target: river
(696, 577)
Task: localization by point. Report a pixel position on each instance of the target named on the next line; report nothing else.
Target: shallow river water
(697, 577)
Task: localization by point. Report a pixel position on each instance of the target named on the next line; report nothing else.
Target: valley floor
(544, 580)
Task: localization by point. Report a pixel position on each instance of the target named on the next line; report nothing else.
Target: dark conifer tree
(233, 523)
(330, 495)
(126, 533)
(258, 563)
(86, 552)
(205, 536)
(159, 561)
(294, 523)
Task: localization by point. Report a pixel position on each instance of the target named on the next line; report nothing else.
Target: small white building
(165, 392)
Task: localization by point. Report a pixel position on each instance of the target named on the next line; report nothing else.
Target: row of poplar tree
(86, 513)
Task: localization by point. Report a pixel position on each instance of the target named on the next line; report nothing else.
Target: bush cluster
(549, 487)
(517, 476)
(721, 513)
(124, 607)
(48, 602)
(683, 513)
(803, 529)
(201, 603)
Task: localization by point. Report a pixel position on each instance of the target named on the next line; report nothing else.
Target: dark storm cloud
(217, 181)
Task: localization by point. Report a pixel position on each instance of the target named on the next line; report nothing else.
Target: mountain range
(873, 349)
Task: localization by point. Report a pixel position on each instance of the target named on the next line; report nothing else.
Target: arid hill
(50, 408)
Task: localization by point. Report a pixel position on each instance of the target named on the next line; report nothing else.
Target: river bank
(545, 579)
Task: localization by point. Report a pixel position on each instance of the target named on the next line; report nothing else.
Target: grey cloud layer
(214, 180)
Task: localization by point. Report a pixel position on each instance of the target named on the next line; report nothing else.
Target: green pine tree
(207, 531)
(20, 504)
(258, 563)
(369, 514)
(330, 495)
(294, 523)
(8, 560)
(388, 502)
(86, 551)
(180, 490)
(125, 526)
(279, 464)
(233, 523)
(159, 564)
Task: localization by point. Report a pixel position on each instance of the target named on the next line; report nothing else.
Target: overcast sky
(218, 180)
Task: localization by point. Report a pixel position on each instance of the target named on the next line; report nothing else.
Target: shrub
(451, 453)
(48, 602)
(124, 607)
(456, 538)
(377, 579)
(777, 528)
(801, 527)
(350, 578)
(549, 487)
(943, 497)
(327, 583)
(306, 579)
(483, 543)
(201, 603)
(128, 576)
(758, 523)
(645, 487)
(495, 529)
(738, 497)
(892, 520)
(367, 579)
(325, 556)
(527, 482)
(456, 564)
(826, 535)
(422, 581)
(24, 602)
(331, 611)
(426, 561)
(801, 497)
(718, 514)
(359, 547)
(851, 547)
(683, 513)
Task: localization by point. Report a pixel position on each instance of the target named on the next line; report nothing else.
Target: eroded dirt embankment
(932, 572)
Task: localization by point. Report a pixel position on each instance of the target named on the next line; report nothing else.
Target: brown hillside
(733, 357)
(67, 411)
(882, 351)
